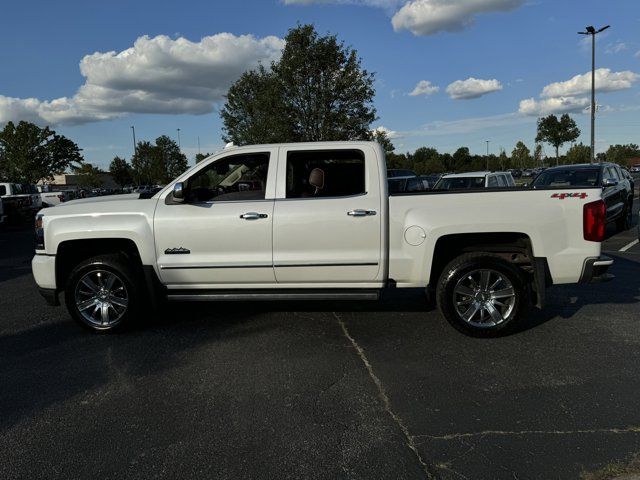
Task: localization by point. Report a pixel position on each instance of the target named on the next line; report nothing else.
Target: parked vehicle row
(475, 180)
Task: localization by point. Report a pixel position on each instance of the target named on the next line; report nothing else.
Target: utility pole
(135, 145)
(133, 131)
(198, 145)
(593, 32)
(487, 154)
(179, 146)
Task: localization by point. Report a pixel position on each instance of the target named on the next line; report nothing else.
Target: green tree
(538, 159)
(383, 139)
(173, 161)
(557, 132)
(578, 153)
(158, 163)
(317, 91)
(88, 176)
(201, 156)
(621, 153)
(121, 171)
(255, 110)
(461, 160)
(521, 155)
(426, 160)
(29, 153)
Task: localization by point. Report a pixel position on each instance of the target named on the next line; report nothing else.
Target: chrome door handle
(253, 216)
(358, 212)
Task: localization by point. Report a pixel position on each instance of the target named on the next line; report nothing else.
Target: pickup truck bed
(316, 221)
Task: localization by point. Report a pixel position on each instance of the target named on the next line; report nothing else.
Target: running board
(269, 295)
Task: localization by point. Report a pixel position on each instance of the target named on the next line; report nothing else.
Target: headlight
(39, 232)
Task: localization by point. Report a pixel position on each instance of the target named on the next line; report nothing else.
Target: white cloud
(568, 96)
(468, 125)
(155, 75)
(616, 47)
(367, 3)
(424, 87)
(606, 81)
(427, 17)
(536, 108)
(472, 88)
(391, 134)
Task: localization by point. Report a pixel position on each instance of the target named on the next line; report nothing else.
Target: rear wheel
(101, 293)
(481, 294)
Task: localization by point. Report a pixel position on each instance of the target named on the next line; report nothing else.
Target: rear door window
(327, 173)
(493, 181)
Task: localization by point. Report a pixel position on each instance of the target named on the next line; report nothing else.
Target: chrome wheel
(101, 298)
(484, 298)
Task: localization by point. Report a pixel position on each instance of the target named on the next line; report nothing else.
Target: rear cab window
(325, 173)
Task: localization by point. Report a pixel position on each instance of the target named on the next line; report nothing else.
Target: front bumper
(595, 270)
(44, 270)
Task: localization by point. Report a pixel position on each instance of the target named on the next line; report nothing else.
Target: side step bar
(269, 295)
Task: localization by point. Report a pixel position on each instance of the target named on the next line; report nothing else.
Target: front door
(220, 235)
(328, 217)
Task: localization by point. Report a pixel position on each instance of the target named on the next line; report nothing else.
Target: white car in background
(475, 180)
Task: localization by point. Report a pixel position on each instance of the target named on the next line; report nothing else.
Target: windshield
(460, 183)
(583, 177)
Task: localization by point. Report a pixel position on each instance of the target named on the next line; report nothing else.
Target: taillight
(61, 198)
(594, 221)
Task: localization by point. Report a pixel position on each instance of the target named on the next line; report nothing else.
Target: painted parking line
(629, 245)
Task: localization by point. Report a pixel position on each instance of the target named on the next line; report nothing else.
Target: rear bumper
(595, 270)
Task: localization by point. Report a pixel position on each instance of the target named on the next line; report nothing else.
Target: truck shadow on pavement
(55, 361)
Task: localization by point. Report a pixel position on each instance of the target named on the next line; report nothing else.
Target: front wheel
(483, 295)
(101, 293)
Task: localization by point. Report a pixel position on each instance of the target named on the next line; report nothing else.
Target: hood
(106, 198)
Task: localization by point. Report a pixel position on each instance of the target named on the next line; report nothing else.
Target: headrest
(316, 178)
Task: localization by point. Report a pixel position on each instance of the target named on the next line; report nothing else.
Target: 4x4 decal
(562, 196)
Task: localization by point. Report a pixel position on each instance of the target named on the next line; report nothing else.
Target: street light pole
(593, 32)
(487, 154)
(179, 145)
(133, 131)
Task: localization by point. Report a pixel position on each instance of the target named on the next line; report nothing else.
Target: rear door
(328, 216)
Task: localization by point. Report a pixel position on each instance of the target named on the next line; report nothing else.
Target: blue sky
(510, 49)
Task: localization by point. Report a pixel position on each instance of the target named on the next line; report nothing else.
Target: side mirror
(609, 182)
(178, 192)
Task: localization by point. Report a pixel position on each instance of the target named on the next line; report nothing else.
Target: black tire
(93, 270)
(469, 268)
(623, 222)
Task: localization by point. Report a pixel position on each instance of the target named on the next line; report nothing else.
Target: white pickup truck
(315, 221)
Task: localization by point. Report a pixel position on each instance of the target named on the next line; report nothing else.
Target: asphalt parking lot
(320, 390)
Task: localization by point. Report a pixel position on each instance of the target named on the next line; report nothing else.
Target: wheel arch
(71, 252)
(515, 247)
